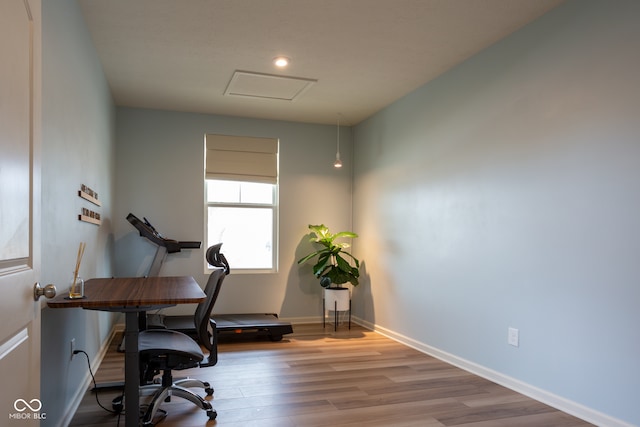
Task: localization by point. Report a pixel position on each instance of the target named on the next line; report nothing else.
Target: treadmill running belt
(255, 322)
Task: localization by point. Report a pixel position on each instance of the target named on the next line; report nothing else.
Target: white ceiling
(181, 54)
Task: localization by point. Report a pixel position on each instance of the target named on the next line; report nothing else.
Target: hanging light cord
(338, 162)
(338, 152)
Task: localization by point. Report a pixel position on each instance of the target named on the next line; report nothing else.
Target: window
(242, 215)
(241, 175)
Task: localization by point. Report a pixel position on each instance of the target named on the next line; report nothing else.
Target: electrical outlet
(73, 346)
(513, 337)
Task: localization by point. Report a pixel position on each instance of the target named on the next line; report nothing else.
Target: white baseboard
(553, 400)
(79, 395)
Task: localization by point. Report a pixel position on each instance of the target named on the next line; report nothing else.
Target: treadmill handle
(190, 245)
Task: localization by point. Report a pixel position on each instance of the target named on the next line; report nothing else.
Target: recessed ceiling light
(281, 61)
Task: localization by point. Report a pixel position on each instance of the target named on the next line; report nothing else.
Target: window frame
(274, 207)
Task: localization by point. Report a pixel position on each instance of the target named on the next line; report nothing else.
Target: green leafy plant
(332, 265)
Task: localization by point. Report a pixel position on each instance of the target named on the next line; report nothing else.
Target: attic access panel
(267, 86)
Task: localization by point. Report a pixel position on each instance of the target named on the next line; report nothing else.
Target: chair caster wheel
(208, 389)
(116, 405)
(212, 414)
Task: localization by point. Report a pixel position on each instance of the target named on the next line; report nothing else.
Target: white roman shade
(241, 158)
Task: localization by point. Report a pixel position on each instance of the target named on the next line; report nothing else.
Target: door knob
(48, 291)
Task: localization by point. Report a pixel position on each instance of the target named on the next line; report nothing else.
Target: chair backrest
(202, 316)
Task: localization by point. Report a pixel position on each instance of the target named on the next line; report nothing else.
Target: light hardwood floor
(348, 378)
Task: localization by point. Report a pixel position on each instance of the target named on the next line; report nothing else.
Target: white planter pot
(337, 299)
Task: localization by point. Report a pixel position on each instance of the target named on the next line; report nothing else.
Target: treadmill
(256, 324)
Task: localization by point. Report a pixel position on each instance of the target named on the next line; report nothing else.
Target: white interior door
(20, 32)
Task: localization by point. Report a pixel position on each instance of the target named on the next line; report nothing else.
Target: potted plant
(333, 266)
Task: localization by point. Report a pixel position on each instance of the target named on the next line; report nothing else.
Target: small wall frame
(89, 215)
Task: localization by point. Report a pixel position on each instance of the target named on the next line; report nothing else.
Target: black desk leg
(131, 369)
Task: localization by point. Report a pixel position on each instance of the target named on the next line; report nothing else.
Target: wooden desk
(133, 296)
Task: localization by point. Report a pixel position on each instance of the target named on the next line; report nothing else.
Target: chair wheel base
(212, 414)
(209, 391)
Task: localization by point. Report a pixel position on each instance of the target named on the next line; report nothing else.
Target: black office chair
(166, 350)
(185, 324)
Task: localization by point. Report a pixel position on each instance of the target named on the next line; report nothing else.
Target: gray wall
(160, 163)
(506, 194)
(78, 133)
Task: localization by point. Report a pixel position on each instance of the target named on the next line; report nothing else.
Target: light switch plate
(513, 337)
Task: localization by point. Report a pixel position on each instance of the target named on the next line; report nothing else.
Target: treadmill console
(148, 231)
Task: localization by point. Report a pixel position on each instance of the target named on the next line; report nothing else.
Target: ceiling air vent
(267, 86)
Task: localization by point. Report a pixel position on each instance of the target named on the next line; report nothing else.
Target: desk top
(133, 292)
